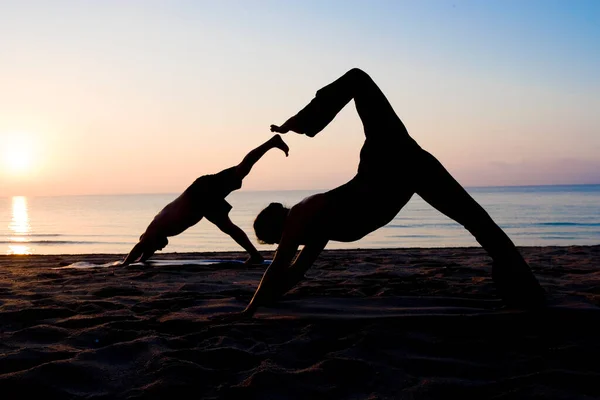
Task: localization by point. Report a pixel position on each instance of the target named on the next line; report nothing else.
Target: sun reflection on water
(18, 249)
(19, 225)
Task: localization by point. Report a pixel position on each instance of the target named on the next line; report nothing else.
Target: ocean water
(530, 215)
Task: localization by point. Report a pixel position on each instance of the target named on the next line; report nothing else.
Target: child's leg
(243, 168)
(225, 224)
(375, 111)
(241, 238)
(512, 275)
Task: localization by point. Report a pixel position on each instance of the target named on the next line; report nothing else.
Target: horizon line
(293, 190)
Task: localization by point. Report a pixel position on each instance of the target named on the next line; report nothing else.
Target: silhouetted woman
(392, 168)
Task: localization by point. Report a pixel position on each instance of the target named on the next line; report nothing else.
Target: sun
(17, 160)
(17, 153)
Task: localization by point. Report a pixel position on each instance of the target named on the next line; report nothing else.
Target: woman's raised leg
(373, 108)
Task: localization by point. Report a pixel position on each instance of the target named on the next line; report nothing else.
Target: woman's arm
(303, 262)
(273, 280)
(283, 274)
(302, 227)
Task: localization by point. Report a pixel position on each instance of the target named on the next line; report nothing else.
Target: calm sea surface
(531, 216)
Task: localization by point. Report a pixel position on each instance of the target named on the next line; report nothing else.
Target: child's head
(268, 225)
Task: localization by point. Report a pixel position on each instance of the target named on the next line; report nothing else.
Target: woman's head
(269, 223)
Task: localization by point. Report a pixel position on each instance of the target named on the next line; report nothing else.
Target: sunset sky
(103, 97)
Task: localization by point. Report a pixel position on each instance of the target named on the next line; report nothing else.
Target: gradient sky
(144, 96)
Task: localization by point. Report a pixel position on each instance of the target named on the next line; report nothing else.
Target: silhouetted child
(204, 198)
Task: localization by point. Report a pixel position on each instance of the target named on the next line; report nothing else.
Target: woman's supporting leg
(514, 280)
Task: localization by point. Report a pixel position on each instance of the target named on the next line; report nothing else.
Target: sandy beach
(365, 324)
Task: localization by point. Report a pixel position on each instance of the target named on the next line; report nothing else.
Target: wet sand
(365, 324)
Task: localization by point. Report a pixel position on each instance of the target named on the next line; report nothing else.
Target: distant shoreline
(565, 185)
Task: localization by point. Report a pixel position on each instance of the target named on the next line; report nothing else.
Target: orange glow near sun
(16, 152)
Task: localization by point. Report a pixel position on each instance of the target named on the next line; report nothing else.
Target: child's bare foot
(254, 260)
(278, 142)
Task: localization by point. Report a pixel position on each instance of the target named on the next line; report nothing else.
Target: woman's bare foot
(289, 125)
(278, 142)
(279, 129)
(517, 285)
